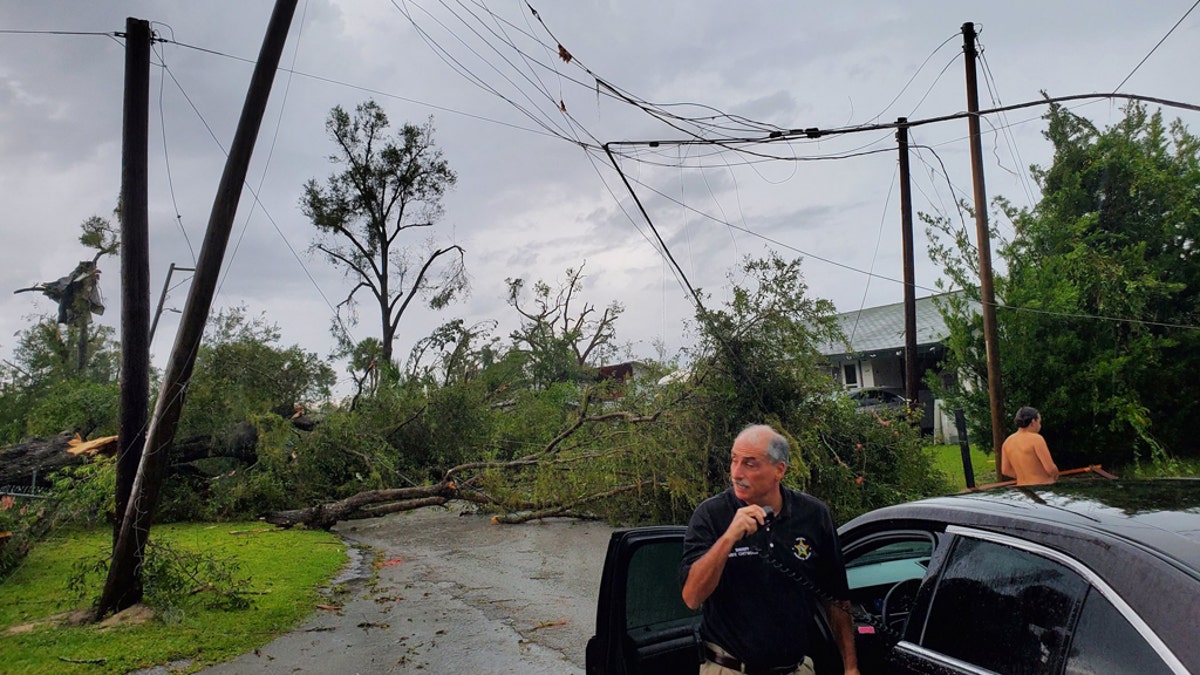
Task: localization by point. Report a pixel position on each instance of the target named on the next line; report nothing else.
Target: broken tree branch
(565, 509)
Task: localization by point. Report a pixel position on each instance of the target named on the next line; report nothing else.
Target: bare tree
(386, 187)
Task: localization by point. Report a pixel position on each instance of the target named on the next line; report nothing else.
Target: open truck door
(642, 625)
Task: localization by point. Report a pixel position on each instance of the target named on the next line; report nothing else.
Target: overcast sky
(530, 202)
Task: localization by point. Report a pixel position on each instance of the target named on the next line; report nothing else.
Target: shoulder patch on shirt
(801, 549)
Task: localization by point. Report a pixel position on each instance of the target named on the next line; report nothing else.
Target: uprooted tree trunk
(31, 462)
(459, 483)
(375, 503)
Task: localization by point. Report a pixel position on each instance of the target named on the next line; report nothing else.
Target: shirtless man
(1025, 455)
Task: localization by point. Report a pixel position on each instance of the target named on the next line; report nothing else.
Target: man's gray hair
(777, 446)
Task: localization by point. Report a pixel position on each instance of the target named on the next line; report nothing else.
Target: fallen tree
(31, 462)
(463, 483)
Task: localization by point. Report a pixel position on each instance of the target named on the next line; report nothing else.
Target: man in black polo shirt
(756, 620)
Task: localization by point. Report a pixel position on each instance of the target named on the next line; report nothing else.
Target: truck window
(652, 597)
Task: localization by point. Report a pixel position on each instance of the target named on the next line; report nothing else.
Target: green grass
(948, 460)
(1181, 467)
(286, 569)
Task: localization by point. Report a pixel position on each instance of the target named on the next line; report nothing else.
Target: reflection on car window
(1105, 642)
(649, 603)
(890, 563)
(1002, 608)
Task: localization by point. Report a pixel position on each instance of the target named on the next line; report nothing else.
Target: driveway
(437, 591)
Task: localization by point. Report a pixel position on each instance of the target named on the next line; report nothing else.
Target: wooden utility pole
(129, 551)
(163, 297)
(135, 263)
(912, 378)
(987, 291)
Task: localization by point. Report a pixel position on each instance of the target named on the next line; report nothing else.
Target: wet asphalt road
(453, 594)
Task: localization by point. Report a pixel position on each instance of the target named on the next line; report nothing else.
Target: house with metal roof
(872, 355)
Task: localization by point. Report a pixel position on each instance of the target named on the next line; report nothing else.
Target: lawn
(948, 460)
(285, 570)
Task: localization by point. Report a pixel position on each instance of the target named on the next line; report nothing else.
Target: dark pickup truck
(1073, 578)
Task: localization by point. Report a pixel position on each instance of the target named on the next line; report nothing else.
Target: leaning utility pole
(911, 377)
(986, 290)
(135, 264)
(129, 551)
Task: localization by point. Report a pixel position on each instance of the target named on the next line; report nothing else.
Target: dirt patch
(131, 616)
(78, 617)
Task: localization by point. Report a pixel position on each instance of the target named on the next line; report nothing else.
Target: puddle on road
(356, 566)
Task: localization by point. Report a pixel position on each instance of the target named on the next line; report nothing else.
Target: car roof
(1161, 517)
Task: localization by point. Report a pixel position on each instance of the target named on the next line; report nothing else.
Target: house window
(851, 374)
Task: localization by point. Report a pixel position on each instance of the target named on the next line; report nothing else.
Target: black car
(1088, 577)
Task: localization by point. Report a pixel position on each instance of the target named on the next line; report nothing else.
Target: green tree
(759, 356)
(386, 186)
(99, 234)
(453, 353)
(760, 362)
(557, 336)
(1102, 293)
(41, 392)
(573, 448)
(231, 456)
(242, 372)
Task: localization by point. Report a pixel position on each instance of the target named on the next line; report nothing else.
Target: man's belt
(733, 664)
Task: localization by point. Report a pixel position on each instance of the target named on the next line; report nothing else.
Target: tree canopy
(1100, 307)
(386, 187)
(561, 337)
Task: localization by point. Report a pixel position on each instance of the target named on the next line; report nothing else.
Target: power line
(874, 255)
(949, 183)
(111, 34)
(1010, 139)
(920, 68)
(162, 118)
(815, 132)
(650, 222)
(873, 275)
(771, 240)
(287, 87)
(254, 193)
(1098, 317)
(659, 110)
(1156, 46)
(466, 73)
(929, 91)
(368, 90)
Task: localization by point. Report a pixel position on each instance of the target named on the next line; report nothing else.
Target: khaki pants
(710, 668)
